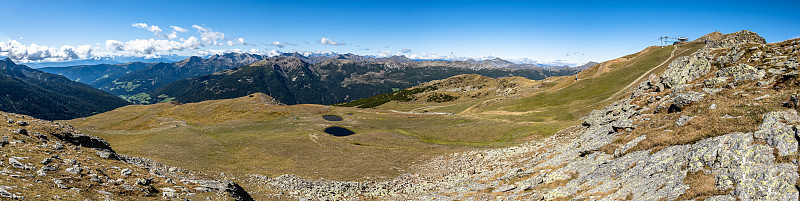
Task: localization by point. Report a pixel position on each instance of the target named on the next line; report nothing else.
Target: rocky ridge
(44, 160)
(720, 124)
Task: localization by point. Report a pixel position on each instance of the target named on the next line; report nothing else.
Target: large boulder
(741, 72)
(685, 69)
(683, 99)
(777, 131)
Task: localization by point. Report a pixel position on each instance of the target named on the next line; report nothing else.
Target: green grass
(590, 91)
(240, 136)
(404, 95)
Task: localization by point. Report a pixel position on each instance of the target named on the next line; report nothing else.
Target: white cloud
(328, 41)
(385, 53)
(37, 53)
(212, 37)
(238, 41)
(155, 29)
(278, 44)
(173, 43)
(451, 57)
(199, 28)
(173, 35)
(273, 53)
(281, 44)
(270, 53)
(178, 29)
(525, 60)
(207, 52)
(153, 46)
(405, 50)
(161, 44)
(115, 45)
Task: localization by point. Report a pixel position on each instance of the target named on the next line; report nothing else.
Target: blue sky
(541, 31)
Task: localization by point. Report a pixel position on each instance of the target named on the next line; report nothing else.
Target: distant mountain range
(48, 96)
(97, 75)
(293, 80)
(106, 60)
(337, 77)
(160, 74)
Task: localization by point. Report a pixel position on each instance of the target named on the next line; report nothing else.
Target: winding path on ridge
(637, 80)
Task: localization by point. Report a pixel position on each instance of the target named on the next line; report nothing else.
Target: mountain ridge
(294, 81)
(48, 96)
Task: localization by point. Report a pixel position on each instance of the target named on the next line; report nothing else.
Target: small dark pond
(332, 117)
(338, 131)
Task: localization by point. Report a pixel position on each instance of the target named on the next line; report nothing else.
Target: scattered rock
(712, 106)
(682, 120)
(711, 91)
(741, 72)
(505, 188)
(143, 181)
(715, 82)
(126, 172)
(106, 154)
(4, 141)
(59, 183)
(15, 163)
(169, 195)
(5, 194)
(683, 99)
(74, 170)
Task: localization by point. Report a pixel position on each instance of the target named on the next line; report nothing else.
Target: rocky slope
(43, 95)
(44, 160)
(719, 124)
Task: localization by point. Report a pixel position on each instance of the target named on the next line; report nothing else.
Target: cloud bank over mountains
(197, 40)
(178, 40)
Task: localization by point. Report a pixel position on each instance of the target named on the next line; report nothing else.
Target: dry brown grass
(701, 186)
(623, 138)
(601, 194)
(557, 183)
(662, 132)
